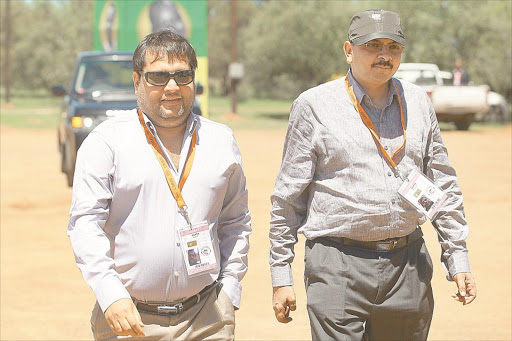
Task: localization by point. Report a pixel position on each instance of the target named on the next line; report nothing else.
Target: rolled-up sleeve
(450, 222)
(290, 197)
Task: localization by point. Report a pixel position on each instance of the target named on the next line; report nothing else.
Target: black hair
(161, 44)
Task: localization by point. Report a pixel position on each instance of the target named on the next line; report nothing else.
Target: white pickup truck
(457, 104)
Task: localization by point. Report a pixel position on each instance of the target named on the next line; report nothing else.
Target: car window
(418, 77)
(104, 76)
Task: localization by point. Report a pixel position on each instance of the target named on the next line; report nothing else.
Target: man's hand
(466, 286)
(283, 302)
(124, 319)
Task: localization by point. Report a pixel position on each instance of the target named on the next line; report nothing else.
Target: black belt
(382, 245)
(164, 308)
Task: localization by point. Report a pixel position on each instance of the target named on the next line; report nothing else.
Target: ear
(347, 48)
(136, 80)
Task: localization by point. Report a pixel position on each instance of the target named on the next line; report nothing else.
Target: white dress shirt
(124, 220)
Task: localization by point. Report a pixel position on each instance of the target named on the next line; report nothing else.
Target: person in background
(159, 222)
(460, 75)
(363, 167)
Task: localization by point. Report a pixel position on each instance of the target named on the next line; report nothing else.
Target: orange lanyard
(175, 189)
(369, 124)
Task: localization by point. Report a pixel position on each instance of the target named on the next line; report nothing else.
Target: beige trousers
(213, 318)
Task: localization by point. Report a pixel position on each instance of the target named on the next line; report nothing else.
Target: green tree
(286, 46)
(478, 32)
(290, 46)
(46, 37)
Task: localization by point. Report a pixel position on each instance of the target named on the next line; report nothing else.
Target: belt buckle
(170, 310)
(386, 246)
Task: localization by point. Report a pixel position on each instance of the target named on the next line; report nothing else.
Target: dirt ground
(43, 295)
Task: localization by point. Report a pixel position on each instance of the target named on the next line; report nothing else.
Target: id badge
(422, 193)
(197, 248)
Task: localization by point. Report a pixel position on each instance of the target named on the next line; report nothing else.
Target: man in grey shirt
(352, 145)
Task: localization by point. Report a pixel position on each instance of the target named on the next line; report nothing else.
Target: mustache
(383, 63)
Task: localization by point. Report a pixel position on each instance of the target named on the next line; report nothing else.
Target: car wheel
(462, 125)
(68, 165)
(63, 161)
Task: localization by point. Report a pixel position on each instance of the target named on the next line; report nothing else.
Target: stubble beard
(162, 117)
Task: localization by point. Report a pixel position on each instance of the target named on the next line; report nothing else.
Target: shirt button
(176, 274)
(390, 174)
(386, 147)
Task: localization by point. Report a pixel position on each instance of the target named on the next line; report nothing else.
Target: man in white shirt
(159, 222)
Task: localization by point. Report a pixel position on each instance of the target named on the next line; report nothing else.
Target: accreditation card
(422, 193)
(197, 248)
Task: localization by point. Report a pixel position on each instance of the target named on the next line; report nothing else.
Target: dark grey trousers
(357, 294)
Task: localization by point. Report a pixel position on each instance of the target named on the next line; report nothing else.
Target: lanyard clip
(183, 211)
(398, 173)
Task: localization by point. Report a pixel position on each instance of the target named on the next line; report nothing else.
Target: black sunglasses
(182, 77)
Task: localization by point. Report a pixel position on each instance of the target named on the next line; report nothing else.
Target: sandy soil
(43, 296)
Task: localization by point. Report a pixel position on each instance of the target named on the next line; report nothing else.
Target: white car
(457, 104)
(499, 108)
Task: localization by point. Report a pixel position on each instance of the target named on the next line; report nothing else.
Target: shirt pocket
(414, 151)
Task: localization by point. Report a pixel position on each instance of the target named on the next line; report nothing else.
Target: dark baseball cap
(375, 24)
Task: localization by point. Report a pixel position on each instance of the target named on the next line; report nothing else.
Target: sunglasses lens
(157, 77)
(184, 77)
(162, 77)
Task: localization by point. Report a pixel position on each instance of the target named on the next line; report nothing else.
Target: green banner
(119, 25)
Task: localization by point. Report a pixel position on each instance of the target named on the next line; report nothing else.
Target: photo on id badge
(193, 253)
(425, 202)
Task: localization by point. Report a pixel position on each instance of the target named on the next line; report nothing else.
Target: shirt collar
(192, 122)
(360, 93)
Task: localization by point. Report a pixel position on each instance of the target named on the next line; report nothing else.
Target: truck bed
(459, 100)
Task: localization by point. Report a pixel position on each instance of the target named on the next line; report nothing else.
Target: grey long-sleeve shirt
(334, 181)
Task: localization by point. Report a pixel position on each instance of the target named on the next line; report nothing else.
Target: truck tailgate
(460, 99)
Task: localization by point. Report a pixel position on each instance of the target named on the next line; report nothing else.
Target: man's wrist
(233, 289)
(457, 263)
(281, 275)
(111, 290)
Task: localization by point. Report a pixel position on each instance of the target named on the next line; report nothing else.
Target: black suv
(102, 87)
